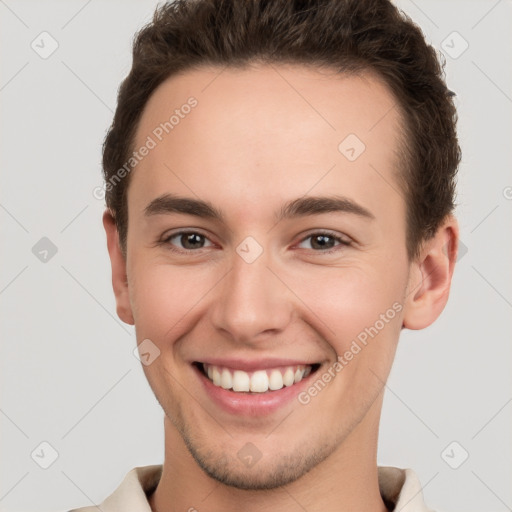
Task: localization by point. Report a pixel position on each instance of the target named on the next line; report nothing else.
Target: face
(265, 248)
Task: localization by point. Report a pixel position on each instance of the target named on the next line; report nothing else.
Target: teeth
(259, 381)
(298, 375)
(241, 381)
(225, 379)
(288, 377)
(276, 380)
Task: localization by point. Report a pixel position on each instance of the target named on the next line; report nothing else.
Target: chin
(257, 478)
(269, 472)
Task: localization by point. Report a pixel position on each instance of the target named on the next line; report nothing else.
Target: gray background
(68, 373)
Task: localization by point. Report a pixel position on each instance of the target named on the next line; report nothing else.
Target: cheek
(164, 297)
(361, 312)
(356, 304)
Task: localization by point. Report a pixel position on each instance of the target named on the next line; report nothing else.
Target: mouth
(268, 380)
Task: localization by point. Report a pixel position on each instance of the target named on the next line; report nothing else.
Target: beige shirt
(399, 488)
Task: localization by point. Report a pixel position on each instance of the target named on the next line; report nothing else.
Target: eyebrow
(300, 207)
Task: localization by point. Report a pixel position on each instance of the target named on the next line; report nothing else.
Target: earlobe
(430, 277)
(118, 264)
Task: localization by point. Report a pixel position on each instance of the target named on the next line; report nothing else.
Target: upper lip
(250, 365)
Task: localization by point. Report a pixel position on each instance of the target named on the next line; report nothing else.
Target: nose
(252, 302)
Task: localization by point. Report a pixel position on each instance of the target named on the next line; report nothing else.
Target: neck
(347, 480)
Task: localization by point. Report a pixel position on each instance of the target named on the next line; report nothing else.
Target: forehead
(267, 131)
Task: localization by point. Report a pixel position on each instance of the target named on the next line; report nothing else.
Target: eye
(323, 242)
(187, 241)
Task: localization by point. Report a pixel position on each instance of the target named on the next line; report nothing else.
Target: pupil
(322, 241)
(190, 240)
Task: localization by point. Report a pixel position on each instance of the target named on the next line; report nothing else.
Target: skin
(258, 138)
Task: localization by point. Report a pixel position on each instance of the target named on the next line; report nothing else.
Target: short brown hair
(348, 36)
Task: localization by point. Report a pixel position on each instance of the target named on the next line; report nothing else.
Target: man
(280, 186)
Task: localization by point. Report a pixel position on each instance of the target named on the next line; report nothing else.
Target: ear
(118, 263)
(430, 277)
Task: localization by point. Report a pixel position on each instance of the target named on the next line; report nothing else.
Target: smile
(260, 381)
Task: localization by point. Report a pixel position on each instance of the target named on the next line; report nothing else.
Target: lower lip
(251, 404)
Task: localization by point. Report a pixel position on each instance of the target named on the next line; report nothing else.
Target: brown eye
(188, 240)
(192, 241)
(323, 242)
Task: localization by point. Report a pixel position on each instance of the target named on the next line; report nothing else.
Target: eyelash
(342, 242)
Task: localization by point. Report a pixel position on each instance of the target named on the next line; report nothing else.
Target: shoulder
(401, 489)
(131, 494)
